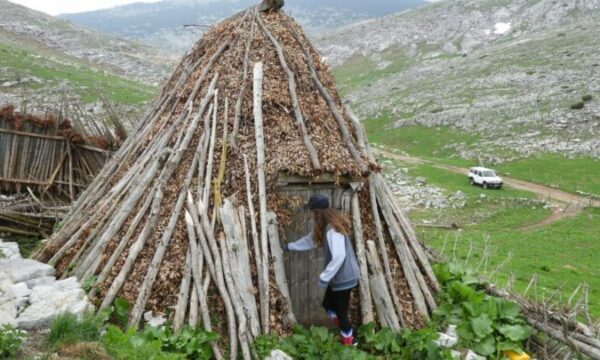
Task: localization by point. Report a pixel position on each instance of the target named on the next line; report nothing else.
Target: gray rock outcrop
(30, 295)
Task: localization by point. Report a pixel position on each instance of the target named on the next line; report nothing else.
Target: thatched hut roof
(175, 195)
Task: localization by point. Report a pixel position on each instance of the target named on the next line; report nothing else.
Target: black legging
(338, 301)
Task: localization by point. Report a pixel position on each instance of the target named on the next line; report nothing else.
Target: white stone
(6, 319)
(446, 340)
(48, 301)
(20, 290)
(21, 270)
(44, 280)
(9, 308)
(471, 355)
(278, 355)
(154, 321)
(9, 250)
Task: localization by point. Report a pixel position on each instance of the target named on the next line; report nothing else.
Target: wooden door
(303, 268)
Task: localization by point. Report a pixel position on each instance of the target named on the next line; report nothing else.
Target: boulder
(21, 270)
(20, 290)
(44, 280)
(9, 250)
(48, 301)
(278, 355)
(7, 319)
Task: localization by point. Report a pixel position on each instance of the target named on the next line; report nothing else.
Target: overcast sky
(55, 7)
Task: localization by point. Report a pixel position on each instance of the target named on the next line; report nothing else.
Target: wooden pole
(262, 190)
(366, 303)
(312, 152)
(279, 265)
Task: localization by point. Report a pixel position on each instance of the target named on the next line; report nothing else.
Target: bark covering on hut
(186, 217)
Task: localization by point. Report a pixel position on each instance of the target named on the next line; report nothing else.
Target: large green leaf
(507, 309)
(515, 332)
(482, 326)
(508, 345)
(486, 346)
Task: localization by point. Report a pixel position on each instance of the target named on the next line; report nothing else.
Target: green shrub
(190, 342)
(132, 345)
(587, 98)
(68, 329)
(407, 344)
(88, 283)
(120, 312)
(11, 340)
(578, 105)
(486, 324)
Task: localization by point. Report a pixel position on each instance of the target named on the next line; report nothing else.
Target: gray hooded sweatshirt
(341, 268)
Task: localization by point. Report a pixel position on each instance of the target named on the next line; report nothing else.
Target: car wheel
(471, 181)
(485, 185)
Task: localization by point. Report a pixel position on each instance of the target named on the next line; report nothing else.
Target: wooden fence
(47, 155)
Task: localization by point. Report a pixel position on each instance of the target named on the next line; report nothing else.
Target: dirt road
(568, 204)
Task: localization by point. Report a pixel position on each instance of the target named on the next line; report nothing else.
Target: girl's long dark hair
(323, 217)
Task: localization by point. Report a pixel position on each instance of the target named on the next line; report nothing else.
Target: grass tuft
(67, 329)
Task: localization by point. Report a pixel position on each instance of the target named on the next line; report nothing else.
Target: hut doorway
(303, 268)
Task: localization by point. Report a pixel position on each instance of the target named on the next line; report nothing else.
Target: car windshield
(489, 174)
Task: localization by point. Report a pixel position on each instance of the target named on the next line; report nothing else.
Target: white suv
(485, 177)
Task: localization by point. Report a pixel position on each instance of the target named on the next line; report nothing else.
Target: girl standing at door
(341, 273)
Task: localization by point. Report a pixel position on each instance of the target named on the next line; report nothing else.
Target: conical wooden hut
(189, 216)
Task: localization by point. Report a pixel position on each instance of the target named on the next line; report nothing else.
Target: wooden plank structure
(219, 188)
(47, 154)
(45, 164)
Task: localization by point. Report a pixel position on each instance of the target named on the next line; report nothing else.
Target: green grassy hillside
(27, 68)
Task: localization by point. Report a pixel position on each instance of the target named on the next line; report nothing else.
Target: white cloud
(55, 7)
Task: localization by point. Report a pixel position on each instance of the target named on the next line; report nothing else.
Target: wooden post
(262, 191)
(279, 266)
(366, 303)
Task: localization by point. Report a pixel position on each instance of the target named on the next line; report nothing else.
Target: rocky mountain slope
(509, 78)
(106, 52)
(161, 23)
(47, 62)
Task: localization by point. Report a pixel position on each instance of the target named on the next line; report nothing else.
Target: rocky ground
(30, 294)
(414, 192)
(519, 77)
(118, 56)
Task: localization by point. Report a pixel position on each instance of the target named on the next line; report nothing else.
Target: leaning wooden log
(239, 103)
(366, 303)
(581, 347)
(335, 111)
(184, 295)
(408, 229)
(236, 301)
(213, 259)
(295, 102)
(262, 192)
(254, 233)
(237, 251)
(196, 276)
(403, 256)
(381, 294)
(278, 265)
(384, 251)
(89, 265)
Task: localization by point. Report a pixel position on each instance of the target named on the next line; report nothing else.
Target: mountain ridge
(502, 79)
(161, 23)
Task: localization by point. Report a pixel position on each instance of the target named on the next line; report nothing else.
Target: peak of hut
(190, 213)
(270, 5)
